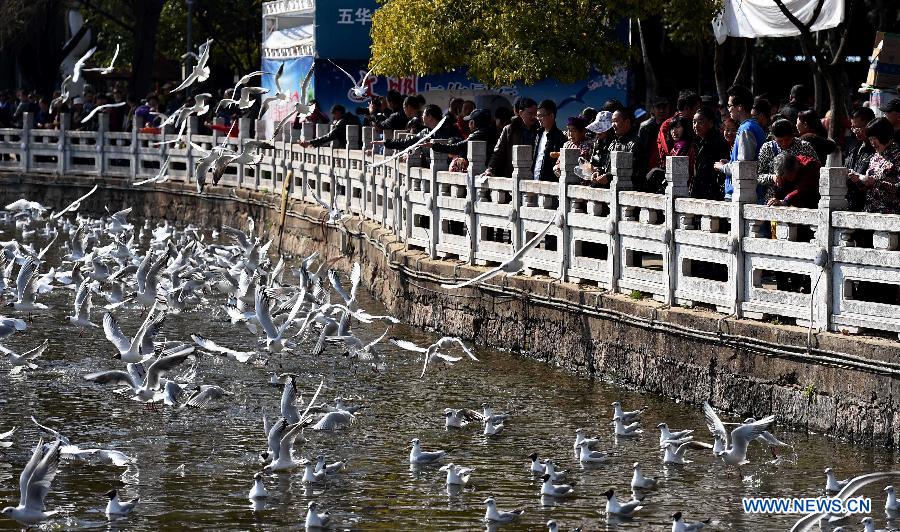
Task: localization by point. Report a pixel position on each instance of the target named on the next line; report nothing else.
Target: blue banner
(294, 72)
(342, 28)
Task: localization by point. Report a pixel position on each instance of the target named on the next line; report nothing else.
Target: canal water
(194, 468)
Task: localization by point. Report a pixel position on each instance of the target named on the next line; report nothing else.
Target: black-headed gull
(639, 481)
(623, 430)
(675, 451)
(666, 434)
(891, 506)
(629, 416)
(34, 485)
(623, 509)
(493, 515)
(118, 508)
(314, 519)
(418, 456)
(434, 350)
(24, 360)
(457, 475)
(258, 491)
(511, 266)
(200, 72)
(739, 439)
(147, 389)
(556, 490)
(679, 524)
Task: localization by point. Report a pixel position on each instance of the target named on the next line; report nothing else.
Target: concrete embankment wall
(839, 385)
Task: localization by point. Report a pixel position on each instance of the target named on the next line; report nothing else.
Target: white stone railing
(822, 267)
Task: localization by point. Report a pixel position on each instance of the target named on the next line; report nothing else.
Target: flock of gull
(157, 271)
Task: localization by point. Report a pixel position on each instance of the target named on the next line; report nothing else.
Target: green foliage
(637, 295)
(506, 41)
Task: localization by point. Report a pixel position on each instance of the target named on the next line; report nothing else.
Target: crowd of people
(789, 142)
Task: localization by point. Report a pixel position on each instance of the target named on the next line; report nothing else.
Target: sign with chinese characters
(342, 28)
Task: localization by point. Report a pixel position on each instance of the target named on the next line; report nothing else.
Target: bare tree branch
(107, 15)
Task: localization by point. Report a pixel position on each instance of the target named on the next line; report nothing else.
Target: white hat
(602, 123)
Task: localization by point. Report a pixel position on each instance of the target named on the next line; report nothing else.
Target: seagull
(586, 455)
(279, 93)
(511, 266)
(275, 336)
(160, 176)
(335, 215)
(457, 475)
(678, 524)
(209, 345)
(674, 452)
(34, 484)
(580, 437)
(140, 347)
(200, 72)
(105, 70)
(736, 453)
(459, 418)
(79, 65)
(493, 515)
(245, 100)
(556, 490)
(665, 434)
(891, 506)
(767, 438)
(626, 430)
(627, 417)
(360, 87)
(855, 484)
(144, 390)
(25, 287)
(99, 108)
(310, 474)
(314, 519)
(490, 429)
(640, 482)
(117, 508)
(259, 489)
(417, 456)
(5, 436)
(75, 205)
(82, 316)
(68, 450)
(285, 458)
(8, 326)
(614, 507)
(63, 93)
(869, 525)
(20, 362)
(331, 468)
(832, 484)
(536, 466)
(550, 469)
(433, 350)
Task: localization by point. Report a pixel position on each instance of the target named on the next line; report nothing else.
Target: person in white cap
(598, 166)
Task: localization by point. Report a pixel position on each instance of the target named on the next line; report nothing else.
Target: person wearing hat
(431, 117)
(598, 162)
(891, 111)
(340, 119)
(576, 130)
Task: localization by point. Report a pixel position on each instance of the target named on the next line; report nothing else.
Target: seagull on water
(460, 417)
(82, 316)
(679, 525)
(665, 434)
(556, 490)
(891, 506)
(736, 452)
(490, 429)
(639, 481)
(310, 474)
(586, 455)
(329, 469)
(417, 456)
(4, 436)
(34, 484)
(457, 475)
(118, 508)
(285, 459)
(258, 491)
(674, 450)
(140, 347)
(627, 417)
(623, 509)
(147, 389)
(626, 430)
(314, 519)
(511, 266)
(494, 515)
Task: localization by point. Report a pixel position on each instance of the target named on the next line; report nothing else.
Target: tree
(829, 58)
(508, 41)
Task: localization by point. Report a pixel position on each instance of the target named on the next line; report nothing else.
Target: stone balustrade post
(743, 178)
(368, 134)
(137, 123)
(102, 128)
(354, 139)
(677, 176)
(308, 130)
(321, 129)
(568, 161)
(27, 123)
(521, 163)
(62, 155)
(439, 163)
(193, 128)
(477, 161)
(389, 134)
(621, 166)
(260, 128)
(832, 197)
(245, 132)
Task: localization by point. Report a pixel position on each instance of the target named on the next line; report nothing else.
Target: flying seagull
(359, 87)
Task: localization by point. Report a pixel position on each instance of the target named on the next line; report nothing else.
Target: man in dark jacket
(340, 119)
(705, 181)
(479, 122)
(859, 154)
(397, 117)
(431, 117)
(798, 103)
(550, 139)
(520, 131)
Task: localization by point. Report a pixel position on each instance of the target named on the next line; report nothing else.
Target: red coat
(803, 191)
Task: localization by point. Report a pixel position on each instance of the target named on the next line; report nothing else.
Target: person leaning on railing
(520, 131)
(796, 181)
(479, 123)
(784, 141)
(881, 179)
(338, 134)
